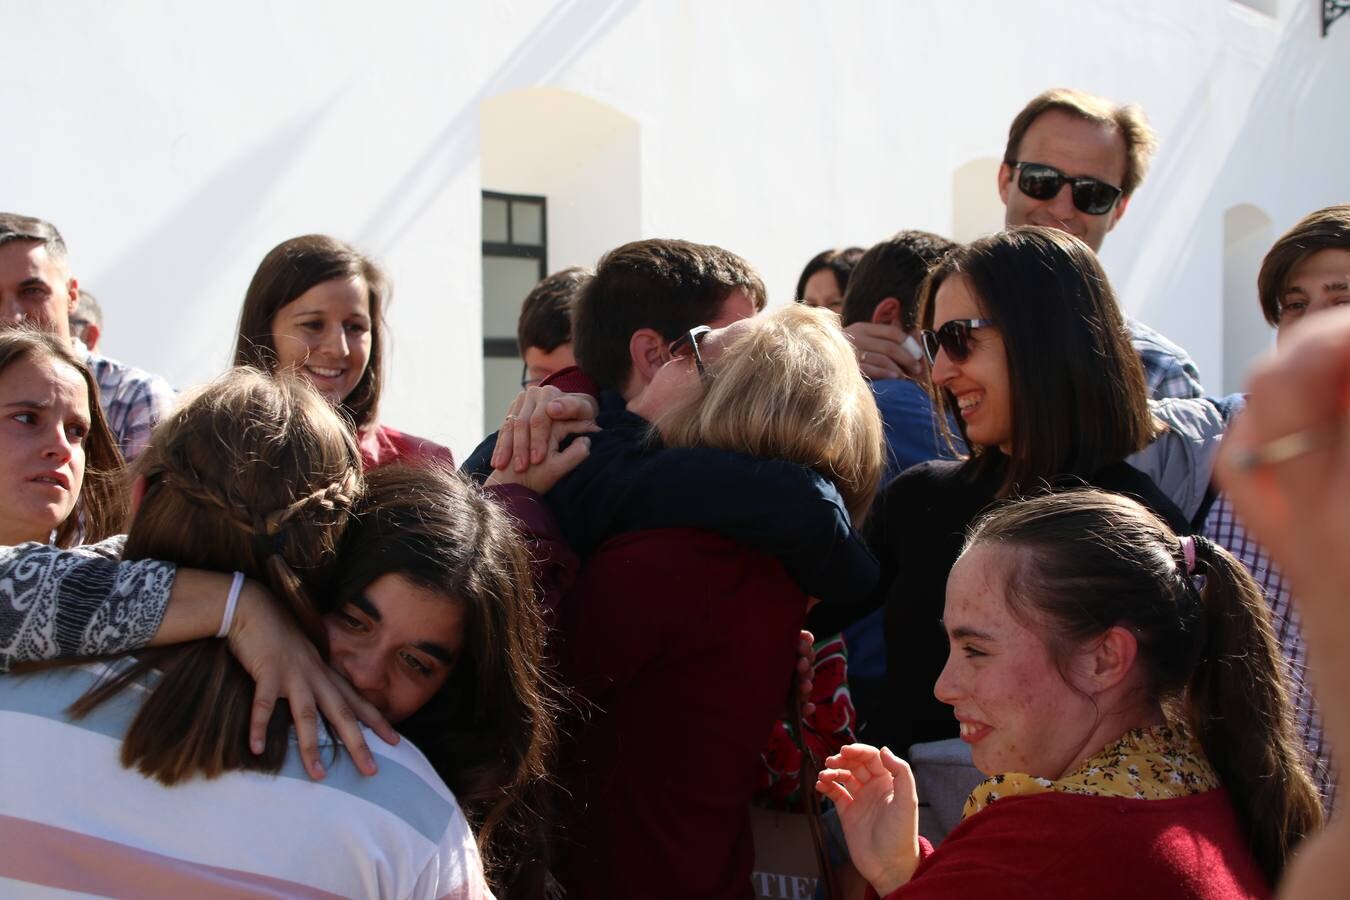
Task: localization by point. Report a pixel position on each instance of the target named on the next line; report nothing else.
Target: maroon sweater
(684, 642)
(1052, 846)
(382, 445)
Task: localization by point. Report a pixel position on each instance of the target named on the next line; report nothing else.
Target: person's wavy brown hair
(287, 271)
(1326, 229)
(788, 387)
(1128, 120)
(255, 473)
(1081, 562)
(1079, 398)
(101, 507)
(489, 732)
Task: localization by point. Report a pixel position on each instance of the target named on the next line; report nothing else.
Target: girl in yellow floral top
(1135, 723)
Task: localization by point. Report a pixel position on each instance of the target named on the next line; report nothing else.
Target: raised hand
(873, 791)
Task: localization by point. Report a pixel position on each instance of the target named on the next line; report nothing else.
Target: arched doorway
(561, 183)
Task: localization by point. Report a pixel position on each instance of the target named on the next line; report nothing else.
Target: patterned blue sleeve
(76, 603)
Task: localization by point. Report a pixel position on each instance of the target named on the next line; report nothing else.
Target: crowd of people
(257, 642)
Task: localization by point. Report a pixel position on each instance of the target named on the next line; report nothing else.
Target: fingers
(371, 717)
(573, 406)
(562, 430)
(502, 452)
(541, 432)
(567, 407)
(828, 784)
(569, 459)
(306, 720)
(333, 703)
(264, 702)
(863, 761)
(520, 441)
(886, 351)
(898, 768)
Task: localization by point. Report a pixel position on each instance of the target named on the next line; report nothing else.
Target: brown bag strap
(810, 769)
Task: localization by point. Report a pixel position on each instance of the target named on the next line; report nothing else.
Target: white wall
(1247, 235)
(175, 143)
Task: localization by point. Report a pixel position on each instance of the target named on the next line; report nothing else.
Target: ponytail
(1239, 710)
(1087, 561)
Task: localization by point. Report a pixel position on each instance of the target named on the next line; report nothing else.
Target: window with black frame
(515, 259)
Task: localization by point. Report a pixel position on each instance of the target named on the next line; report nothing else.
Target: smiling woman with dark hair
(1031, 358)
(316, 307)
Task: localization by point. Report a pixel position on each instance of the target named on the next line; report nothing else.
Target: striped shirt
(133, 401)
(72, 819)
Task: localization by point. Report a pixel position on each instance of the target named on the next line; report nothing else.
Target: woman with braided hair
(142, 770)
(1135, 722)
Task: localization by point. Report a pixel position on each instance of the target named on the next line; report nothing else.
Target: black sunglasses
(1042, 182)
(687, 344)
(954, 337)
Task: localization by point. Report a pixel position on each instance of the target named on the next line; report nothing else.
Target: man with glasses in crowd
(1073, 162)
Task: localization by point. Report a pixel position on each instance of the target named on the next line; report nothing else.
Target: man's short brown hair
(668, 286)
(14, 227)
(1128, 120)
(546, 315)
(1326, 229)
(896, 267)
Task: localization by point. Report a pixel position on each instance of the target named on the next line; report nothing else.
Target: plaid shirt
(133, 401)
(1168, 369)
(1223, 528)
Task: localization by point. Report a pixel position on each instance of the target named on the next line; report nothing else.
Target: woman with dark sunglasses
(1030, 354)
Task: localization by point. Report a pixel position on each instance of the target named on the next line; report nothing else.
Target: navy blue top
(629, 482)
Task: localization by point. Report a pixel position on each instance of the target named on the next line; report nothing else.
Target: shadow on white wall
(1247, 235)
(976, 207)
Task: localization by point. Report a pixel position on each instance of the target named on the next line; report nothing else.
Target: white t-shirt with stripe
(73, 821)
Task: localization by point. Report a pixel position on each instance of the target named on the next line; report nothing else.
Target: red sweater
(684, 642)
(383, 445)
(1051, 846)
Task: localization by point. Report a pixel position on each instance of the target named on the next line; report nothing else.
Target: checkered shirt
(1223, 528)
(1168, 369)
(133, 401)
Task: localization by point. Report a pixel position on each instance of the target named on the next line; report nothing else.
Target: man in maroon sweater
(679, 643)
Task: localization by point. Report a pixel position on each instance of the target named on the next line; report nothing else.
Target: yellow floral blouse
(1158, 763)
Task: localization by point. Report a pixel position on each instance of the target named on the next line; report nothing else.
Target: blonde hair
(1139, 137)
(255, 473)
(788, 387)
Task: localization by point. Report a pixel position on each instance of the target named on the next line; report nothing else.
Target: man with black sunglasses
(1072, 162)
